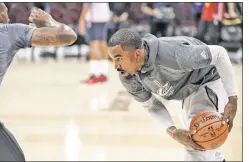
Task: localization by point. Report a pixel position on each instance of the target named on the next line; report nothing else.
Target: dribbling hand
(230, 111)
(184, 137)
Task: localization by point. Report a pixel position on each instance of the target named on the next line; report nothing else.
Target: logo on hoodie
(165, 90)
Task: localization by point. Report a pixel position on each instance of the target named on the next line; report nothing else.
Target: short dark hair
(126, 38)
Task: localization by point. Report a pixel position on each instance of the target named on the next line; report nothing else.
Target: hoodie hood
(151, 49)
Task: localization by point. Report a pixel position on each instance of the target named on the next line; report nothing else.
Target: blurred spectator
(95, 16)
(23, 10)
(232, 14)
(231, 32)
(161, 15)
(67, 13)
(120, 13)
(196, 11)
(212, 15)
(137, 20)
(136, 15)
(40, 5)
(231, 25)
(184, 22)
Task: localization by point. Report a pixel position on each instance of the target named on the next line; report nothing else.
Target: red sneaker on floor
(102, 78)
(91, 80)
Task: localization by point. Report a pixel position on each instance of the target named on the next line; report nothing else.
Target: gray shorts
(9, 148)
(210, 96)
(97, 32)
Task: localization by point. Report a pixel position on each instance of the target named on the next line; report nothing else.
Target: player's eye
(118, 59)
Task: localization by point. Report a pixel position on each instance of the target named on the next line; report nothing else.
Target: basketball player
(96, 23)
(176, 68)
(47, 32)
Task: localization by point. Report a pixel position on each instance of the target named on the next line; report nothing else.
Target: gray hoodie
(175, 67)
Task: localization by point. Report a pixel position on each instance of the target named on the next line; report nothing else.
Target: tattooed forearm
(48, 23)
(61, 36)
(51, 24)
(43, 39)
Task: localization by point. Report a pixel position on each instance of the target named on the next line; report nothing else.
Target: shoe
(91, 80)
(102, 78)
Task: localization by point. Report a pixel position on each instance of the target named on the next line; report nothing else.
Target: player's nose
(116, 65)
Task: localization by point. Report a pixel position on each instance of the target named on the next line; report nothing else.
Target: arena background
(54, 117)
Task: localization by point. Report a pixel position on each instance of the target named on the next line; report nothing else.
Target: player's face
(4, 18)
(125, 61)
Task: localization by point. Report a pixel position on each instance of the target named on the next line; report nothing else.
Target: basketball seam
(213, 138)
(207, 125)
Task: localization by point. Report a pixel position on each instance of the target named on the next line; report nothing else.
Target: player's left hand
(40, 18)
(230, 111)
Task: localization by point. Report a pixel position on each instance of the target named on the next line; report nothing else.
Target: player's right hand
(184, 137)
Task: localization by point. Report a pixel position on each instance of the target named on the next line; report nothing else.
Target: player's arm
(50, 32)
(155, 107)
(158, 111)
(191, 57)
(59, 36)
(221, 61)
(148, 101)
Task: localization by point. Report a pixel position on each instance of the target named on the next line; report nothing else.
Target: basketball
(210, 132)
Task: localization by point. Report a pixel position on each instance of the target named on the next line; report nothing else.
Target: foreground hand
(40, 18)
(230, 111)
(184, 137)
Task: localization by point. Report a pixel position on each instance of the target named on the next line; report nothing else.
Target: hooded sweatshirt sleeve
(155, 107)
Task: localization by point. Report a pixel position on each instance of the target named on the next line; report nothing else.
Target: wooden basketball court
(56, 118)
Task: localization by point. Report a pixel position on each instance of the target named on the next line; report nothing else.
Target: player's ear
(138, 53)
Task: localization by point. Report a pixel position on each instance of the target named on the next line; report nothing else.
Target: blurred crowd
(213, 23)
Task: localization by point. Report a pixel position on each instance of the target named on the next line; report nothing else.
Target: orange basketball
(210, 132)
